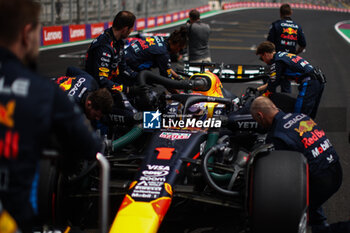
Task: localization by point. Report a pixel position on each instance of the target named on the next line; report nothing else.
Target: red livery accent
(165, 152)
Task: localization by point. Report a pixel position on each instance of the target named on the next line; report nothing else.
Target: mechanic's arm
(72, 129)
(272, 34)
(278, 143)
(301, 41)
(164, 64)
(125, 69)
(102, 67)
(275, 77)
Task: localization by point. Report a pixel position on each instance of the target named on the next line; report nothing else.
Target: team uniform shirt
(287, 65)
(286, 35)
(298, 132)
(105, 60)
(149, 52)
(77, 86)
(32, 108)
(198, 40)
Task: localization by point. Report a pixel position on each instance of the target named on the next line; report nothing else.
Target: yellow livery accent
(239, 71)
(137, 216)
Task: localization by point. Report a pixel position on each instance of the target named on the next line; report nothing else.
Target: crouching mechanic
(298, 132)
(311, 82)
(154, 52)
(82, 87)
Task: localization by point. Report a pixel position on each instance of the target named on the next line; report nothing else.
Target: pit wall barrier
(54, 35)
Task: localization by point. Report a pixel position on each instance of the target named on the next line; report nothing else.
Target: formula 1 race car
(197, 145)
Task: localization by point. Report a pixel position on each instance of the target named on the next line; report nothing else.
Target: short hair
(102, 100)
(194, 14)
(124, 19)
(285, 10)
(265, 47)
(179, 36)
(15, 15)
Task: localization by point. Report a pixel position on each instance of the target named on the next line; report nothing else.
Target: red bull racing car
(200, 147)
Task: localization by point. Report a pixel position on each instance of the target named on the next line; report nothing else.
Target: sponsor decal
(293, 121)
(9, 145)
(167, 18)
(77, 32)
(103, 69)
(76, 86)
(323, 147)
(165, 152)
(247, 124)
(290, 25)
(315, 136)
(290, 31)
(151, 120)
(6, 114)
(175, 136)
(175, 17)
(103, 74)
(140, 24)
(96, 29)
(19, 87)
(182, 15)
(66, 85)
(150, 41)
(160, 20)
(117, 88)
(288, 37)
(151, 22)
(305, 126)
(52, 35)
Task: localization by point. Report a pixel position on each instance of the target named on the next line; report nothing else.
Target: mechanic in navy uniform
(105, 56)
(287, 36)
(32, 109)
(298, 132)
(311, 82)
(83, 88)
(154, 52)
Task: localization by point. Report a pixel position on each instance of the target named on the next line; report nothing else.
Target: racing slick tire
(279, 193)
(49, 193)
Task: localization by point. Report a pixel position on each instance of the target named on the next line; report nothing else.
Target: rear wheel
(279, 193)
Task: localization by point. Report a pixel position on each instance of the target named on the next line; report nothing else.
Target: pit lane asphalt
(233, 39)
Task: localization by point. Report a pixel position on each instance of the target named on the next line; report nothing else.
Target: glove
(251, 90)
(138, 89)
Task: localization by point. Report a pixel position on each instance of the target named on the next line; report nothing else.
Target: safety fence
(58, 34)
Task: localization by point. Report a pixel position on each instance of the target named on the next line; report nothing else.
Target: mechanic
(198, 38)
(105, 56)
(32, 109)
(286, 36)
(154, 52)
(83, 88)
(298, 132)
(311, 82)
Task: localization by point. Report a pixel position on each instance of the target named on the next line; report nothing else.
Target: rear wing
(228, 73)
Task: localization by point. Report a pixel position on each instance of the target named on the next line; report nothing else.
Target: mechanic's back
(31, 108)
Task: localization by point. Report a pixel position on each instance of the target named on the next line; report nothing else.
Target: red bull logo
(6, 114)
(290, 31)
(117, 88)
(66, 85)
(150, 41)
(305, 126)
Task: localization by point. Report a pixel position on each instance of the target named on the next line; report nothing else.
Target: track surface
(233, 39)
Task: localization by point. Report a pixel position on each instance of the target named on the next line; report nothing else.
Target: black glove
(138, 89)
(251, 90)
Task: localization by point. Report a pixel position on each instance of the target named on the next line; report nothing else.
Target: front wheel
(279, 193)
